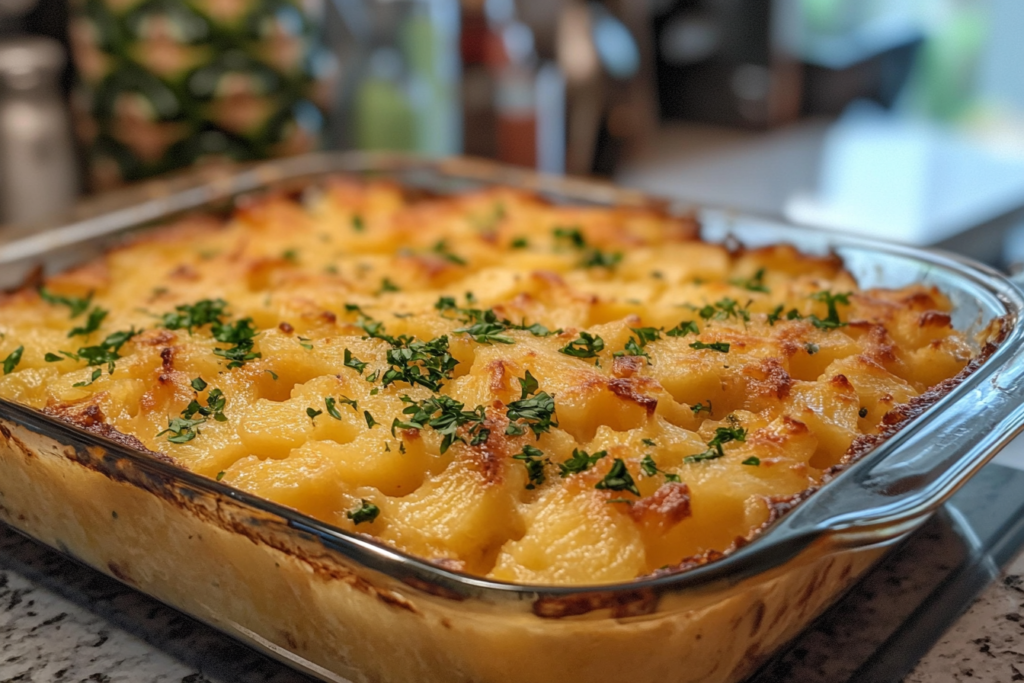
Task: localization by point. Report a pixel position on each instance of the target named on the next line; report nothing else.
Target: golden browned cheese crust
(533, 393)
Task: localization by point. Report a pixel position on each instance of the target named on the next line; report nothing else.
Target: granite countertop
(947, 605)
(986, 643)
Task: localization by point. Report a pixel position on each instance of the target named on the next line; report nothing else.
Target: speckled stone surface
(986, 643)
(61, 621)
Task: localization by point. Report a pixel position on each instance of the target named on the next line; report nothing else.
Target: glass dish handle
(910, 475)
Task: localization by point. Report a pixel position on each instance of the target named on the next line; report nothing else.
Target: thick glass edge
(140, 205)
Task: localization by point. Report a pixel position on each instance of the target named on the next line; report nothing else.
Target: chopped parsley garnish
(585, 346)
(354, 363)
(441, 249)
(106, 352)
(721, 347)
(92, 323)
(537, 411)
(753, 461)
(290, 255)
(648, 466)
(633, 348)
(528, 384)
(13, 359)
(354, 308)
(831, 301)
(534, 461)
(519, 243)
(812, 348)
(487, 333)
(444, 415)
(76, 305)
(358, 224)
(724, 309)
(581, 461)
(332, 405)
(366, 512)
(417, 362)
(571, 235)
(446, 303)
(776, 313)
(684, 328)
(240, 335)
(304, 343)
(648, 442)
(863, 412)
(191, 316)
(182, 430)
(646, 335)
(313, 413)
(723, 435)
(599, 259)
(484, 325)
(635, 345)
(618, 479)
(215, 402)
(697, 409)
(370, 422)
(754, 284)
(52, 358)
(386, 285)
(650, 469)
(92, 378)
(220, 475)
(272, 374)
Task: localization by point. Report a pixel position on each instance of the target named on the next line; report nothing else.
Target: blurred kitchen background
(899, 119)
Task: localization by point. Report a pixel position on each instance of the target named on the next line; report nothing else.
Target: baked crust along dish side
(533, 393)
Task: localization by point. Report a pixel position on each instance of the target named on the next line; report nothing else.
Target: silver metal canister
(38, 172)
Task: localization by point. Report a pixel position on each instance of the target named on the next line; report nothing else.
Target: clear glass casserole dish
(343, 607)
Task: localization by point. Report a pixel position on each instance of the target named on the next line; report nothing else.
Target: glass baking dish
(344, 608)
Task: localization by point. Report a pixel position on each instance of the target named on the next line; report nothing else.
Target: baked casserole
(528, 392)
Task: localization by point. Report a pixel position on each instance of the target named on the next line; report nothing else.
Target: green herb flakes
(618, 479)
(240, 335)
(533, 459)
(191, 316)
(753, 284)
(723, 435)
(586, 345)
(831, 301)
(182, 430)
(76, 305)
(92, 323)
(13, 359)
(721, 347)
(444, 415)
(581, 461)
(441, 249)
(366, 512)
